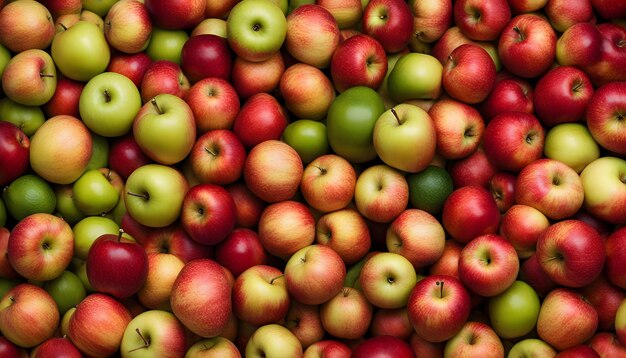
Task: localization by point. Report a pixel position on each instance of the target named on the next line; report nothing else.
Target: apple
(6, 270)
(211, 25)
(328, 183)
(475, 339)
(154, 195)
(474, 170)
(133, 66)
(415, 76)
(261, 118)
(214, 103)
(564, 142)
(513, 140)
(94, 193)
(260, 295)
(327, 348)
(418, 236)
(387, 279)
(273, 340)
(502, 187)
(571, 252)
(566, 319)
(551, 187)
(305, 323)
(430, 19)
(163, 76)
(532, 347)
(217, 157)
(166, 44)
(514, 312)
(154, 332)
(240, 250)
(581, 350)
(579, 45)
(527, 45)
(208, 213)
(396, 133)
(56, 346)
(606, 198)
(249, 77)
(438, 307)
(382, 346)
(15, 152)
(392, 322)
(346, 232)
(308, 137)
(390, 22)
(563, 14)
(206, 56)
(125, 155)
(347, 13)
(522, 225)
(381, 193)
(469, 74)
(128, 26)
(468, 212)
(256, 38)
(312, 35)
(163, 268)
(67, 290)
(249, 206)
(286, 227)
(481, 21)
(614, 254)
(508, 95)
(306, 91)
(347, 315)
(358, 61)
(603, 110)
(173, 239)
(176, 14)
(606, 298)
(459, 128)
(532, 273)
(30, 77)
(606, 344)
(216, 346)
(26, 25)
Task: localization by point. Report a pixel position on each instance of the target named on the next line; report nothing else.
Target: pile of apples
(242, 178)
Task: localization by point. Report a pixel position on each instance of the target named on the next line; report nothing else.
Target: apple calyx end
(146, 342)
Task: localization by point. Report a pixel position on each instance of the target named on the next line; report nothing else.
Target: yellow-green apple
(249, 77)
(176, 14)
(87, 230)
(273, 171)
(382, 346)
(391, 322)
(533, 274)
(314, 274)
(81, 51)
(430, 19)
(98, 310)
(606, 298)
(603, 184)
(571, 252)
(28, 315)
(240, 250)
(604, 111)
(27, 118)
(67, 290)
(459, 128)
(6, 270)
(305, 323)
(312, 35)
(347, 315)
(208, 213)
(116, 265)
(606, 344)
(531, 347)
(206, 56)
(488, 265)
(261, 118)
(260, 295)
(358, 61)
(579, 45)
(166, 44)
(306, 91)
(163, 268)
(65, 321)
(154, 195)
(214, 103)
(350, 123)
(174, 239)
(211, 347)
(448, 262)
(308, 137)
(99, 8)
(572, 144)
(125, 155)
(30, 77)
(14, 152)
(346, 232)
(108, 104)
(56, 346)
(612, 55)
(481, 21)
(474, 339)
(328, 183)
(327, 348)
(347, 13)
(381, 193)
(201, 297)
(421, 249)
(40, 246)
(468, 212)
(210, 26)
(522, 225)
(514, 312)
(21, 202)
(249, 206)
(256, 37)
(217, 157)
(94, 193)
(438, 307)
(273, 340)
(133, 66)
(26, 25)
(387, 279)
(61, 149)
(415, 76)
(615, 253)
(551, 187)
(469, 74)
(566, 319)
(527, 45)
(390, 22)
(128, 26)
(163, 76)
(502, 187)
(164, 129)
(405, 138)
(513, 140)
(475, 169)
(508, 95)
(154, 333)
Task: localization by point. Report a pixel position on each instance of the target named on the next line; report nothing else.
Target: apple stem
(119, 234)
(276, 278)
(107, 95)
(146, 343)
(211, 151)
(395, 114)
(45, 75)
(323, 170)
(154, 103)
(256, 27)
(143, 196)
(63, 26)
(440, 284)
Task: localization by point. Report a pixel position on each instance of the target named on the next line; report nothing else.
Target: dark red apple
(125, 155)
(240, 251)
(65, 98)
(174, 240)
(383, 347)
(208, 214)
(206, 56)
(133, 66)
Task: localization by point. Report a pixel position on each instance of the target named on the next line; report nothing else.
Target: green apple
(67, 290)
(605, 192)
(28, 118)
(405, 138)
(572, 144)
(94, 194)
(81, 52)
(87, 230)
(307, 137)
(166, 44)
(154, 195)
(514, 312)
(6, 284)
(165, 129)
(108, 104)
(256, 29)
(350, 123)
(79, 268)
(5, 56)
(294, 4)
(531, 347)
(415, 76)
(66, 207)
(99, 152)
(28, 194)
(99, 7)
(154, 333)
(392, 59)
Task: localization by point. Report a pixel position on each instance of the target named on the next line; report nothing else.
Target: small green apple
(572, 144)
(66, 207)
(67, 290)
(94, 194)
(166, 44)
(87, 230)
(415, 76)
(99, 152)
(308, 138)
(99, 7)
(28, 118)
(514, 312)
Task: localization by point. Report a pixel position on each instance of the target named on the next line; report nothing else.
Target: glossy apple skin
(208, 213)
(163, 76)
(470, 211)
(250, 78)
(605, 298)
(133, 66)
(579, 45)
(174, 239)
(615, 254)
(604, 110)
(56, 346)
(474, 169)
(249, 206)
(125, 155)
(14, 152)
(65, 99)
(214, 103)
(481, 21)
(383, 347)
(358, 61)
(469, 74)
(261, 118)
(206, 56)
(312, 35)
(177, 14)
(509, 94)
(240, 250)
(395, 30)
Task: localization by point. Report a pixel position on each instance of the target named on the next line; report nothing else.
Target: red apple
(522, 225)
(508, 95)
(125, 155)
(383, 346)
(605, 297)
(381, 193)
(328, 348)
(56, 347)
(214, 103)
(306, 91)
(448, 263)
(208, 214)
(174, 239)
(347, 315)
(240, 250)
(418, 236)
(261, 118)
(312, 35)
(133, 66)
(177, 14)
(328, 183)
(14, 152)
(607, 345)
(476, 339)
(474, 169)
(459, 128)
(612, 55)
(532, 273)
(390, 22)
(305, 323)
(579, 45)
(204, 56)
(249, 206)
(249, 78)
(603, 112)
(431, 19)
(65, 98)
(470, 211)
(481, 21)
(346, 232)
(358, 61)
(615, 253)
(163, 76)
(260, 296)
(469, 74)
(502, 187)
(286, 227)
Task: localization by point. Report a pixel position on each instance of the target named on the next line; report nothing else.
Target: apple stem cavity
(107, 95)
(211, 151)
(440, 284)
(519, 32)
(143, 196)
(395, 114)
(322, 170)
(45, 75)
(146, 342)
(156, 105)
(276, 278)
